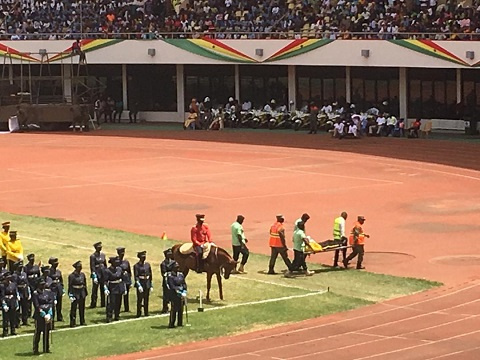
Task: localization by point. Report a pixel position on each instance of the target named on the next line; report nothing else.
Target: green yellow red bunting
(430, 48)
(87, 45)
(15, 54)
(297, 47)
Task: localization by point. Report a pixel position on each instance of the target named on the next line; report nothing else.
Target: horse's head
(228, 267)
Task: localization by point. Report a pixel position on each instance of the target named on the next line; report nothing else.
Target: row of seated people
(447, 19)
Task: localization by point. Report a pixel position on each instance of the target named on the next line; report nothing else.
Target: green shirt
(298, 240)
(237, 229)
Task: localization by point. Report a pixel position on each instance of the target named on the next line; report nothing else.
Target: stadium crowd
(335, 19)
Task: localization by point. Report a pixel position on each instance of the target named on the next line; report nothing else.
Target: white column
(459, 85)
(348, 84)
(67, 82)
(124, 86)
(237, 83)
(402, 92)
(180, 93)
(292, 85)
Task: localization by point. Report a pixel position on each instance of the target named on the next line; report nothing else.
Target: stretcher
(314, 247)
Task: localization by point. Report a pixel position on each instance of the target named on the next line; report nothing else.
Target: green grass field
(252, 301)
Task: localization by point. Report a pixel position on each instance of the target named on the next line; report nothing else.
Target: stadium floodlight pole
(81, 19)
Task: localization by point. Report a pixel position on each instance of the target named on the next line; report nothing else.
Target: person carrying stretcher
(300, 240)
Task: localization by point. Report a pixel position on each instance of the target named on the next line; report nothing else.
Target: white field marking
(285, 169)
(361, 332)
(417, 346)
(274, 283)
(325, 191)
(453, 353)
(266, 301)
(314, 327)
(57, 243)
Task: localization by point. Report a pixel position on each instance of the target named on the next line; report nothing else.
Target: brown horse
(218, 262)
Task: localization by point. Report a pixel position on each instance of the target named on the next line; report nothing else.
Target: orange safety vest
(361, 236)
(275, 240)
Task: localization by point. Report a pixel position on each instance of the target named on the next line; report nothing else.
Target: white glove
(140, 289)
(107, 292)
(72, 299)
(47, 318)
(151, 290)
(55, 302)
(95, 281)
(5, 308)
(29, 297)
(125, 292)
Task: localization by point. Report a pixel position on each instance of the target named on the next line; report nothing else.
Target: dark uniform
(177, 292)
(97, 267)
(9, 301)
(143, 282)
(33, 275)
(46, 277)
(43, 303)
(113, 288)
(77, 292)
(21, 279)
(164, 270)
(57, 287)
(126, 277)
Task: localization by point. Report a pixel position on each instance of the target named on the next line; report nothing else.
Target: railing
(309, 34)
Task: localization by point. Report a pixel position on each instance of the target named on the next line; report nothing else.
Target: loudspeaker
(365, 53)
(151, 52)
(259, 52)
(470, 55)
(42, 52)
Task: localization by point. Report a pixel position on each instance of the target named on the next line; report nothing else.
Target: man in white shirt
(338, 129)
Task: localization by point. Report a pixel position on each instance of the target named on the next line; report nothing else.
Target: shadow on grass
(159, 327)
(25, 354)
(328, 269)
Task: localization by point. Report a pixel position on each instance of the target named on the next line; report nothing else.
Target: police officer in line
(177, 293)
(57, 287)
(164, 266)
(33, 274)
(46, 276)
(3, 265)
(97, 265)
(127, 277)
(9, 303)
(21, 279)
(43, 303)
(77, 292)
(113, 288)
(142, 273)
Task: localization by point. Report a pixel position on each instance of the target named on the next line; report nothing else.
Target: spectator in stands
(132, 115)
(414, 129)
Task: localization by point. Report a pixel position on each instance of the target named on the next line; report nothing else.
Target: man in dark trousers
(97, 264)
(164, 269)
(313, 111)
(177, 294)
(57, 287)
(33, 274)
(142, 273)
(357, 240)
(113, 288)
(278, 245)
(126, 277)
(9, 304)
(77, 292)
(239, 243)
(20, 278)
(43, 303)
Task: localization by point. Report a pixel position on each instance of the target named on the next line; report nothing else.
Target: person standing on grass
(299, 241)
(126, 277)
(164, 269)
(14, 250)
(142, 272)
(357, 240)
(4, 239)
(33, 274)
(57, 288)
(20, 278)
(77, 292)
(177, 294)
(43, 302)
(239, 243)
(339, 236)
(9, 303)
(113, 288)
(97, 264)
(278, 245)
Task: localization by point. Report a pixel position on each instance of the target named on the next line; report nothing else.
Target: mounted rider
(200, 236)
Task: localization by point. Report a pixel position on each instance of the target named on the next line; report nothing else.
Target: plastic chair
(427, 129)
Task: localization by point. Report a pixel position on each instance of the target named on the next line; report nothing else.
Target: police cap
(200, 217)
(6, 223)
(77, 264)
(53, 260)
(361, 218)
(97, 244)
(168, 252)
(120, 250)
(141, 253)
(31, 256)
(45, 268)
(112, 259)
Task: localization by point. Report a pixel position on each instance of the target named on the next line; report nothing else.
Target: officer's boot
(73, 321)
(241, 269)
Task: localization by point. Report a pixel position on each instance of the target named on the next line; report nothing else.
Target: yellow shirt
(15, 250)
(4, 240)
